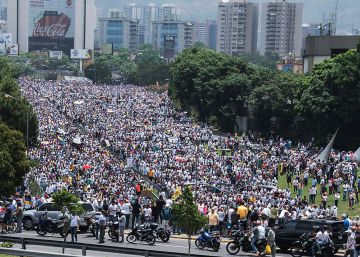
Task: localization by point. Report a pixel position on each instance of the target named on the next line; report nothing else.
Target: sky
(200, 10)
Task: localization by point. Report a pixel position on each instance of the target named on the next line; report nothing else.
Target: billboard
(107, 49)
(12, 49)
(5, 38)
(81, 54)
(56, 54)
(51, 25)
(169, 46)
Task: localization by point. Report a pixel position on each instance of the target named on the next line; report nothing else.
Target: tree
(268, 60)
(187, 216)
(13, 162)
(67, 201)
(98, 72)
(15, 111)
(330, 97)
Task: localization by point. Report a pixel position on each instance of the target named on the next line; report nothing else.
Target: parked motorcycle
(304, 247)
(9, 227)
(208, 240)
(241, 241)
(92, 225)
(113, 231)
(161, 233)
(47, 225)
(141, 233)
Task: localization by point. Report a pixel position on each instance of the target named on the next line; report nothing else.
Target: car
(89, 212)
(31, 217)
(289, 232)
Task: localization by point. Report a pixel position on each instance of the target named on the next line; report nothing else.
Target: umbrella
(87, 166)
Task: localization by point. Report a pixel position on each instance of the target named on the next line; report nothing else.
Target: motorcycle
(161, 233)
(47, 225)
(141, 233)
(92, 225)
(241, 241)
(9, 227)
(113, 231)
(208, 240)
(304, 247)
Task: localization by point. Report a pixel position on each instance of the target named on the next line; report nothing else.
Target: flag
(325, 154)
(357, 155)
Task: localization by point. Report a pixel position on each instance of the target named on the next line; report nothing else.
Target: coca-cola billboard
(51, 25)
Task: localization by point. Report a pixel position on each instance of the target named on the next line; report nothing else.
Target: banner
(107, 49)
(81, 54)
(5, 38)
(169, 46)
(325, 154)
(56, 54)
(51, 25)
(2, 49)
(12, 49)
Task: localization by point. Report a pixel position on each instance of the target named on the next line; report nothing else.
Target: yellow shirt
(242, 211)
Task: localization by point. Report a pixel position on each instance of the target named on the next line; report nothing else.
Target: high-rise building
(211, 34)
(115, 13)
(237, 27)
(171, 38)
(100, 13)
(169, 12)
(131, 11)
(52, 25)
(3, 16)
(281, 28)
(200, 33)
(120, 32)
(150, 13)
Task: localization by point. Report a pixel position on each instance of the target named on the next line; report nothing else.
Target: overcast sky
(200, 10)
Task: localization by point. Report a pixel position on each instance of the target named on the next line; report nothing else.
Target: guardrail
(27, 253)
(86, 247)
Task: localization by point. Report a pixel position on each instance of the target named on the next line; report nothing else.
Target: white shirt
(126, 208)
(74, 221)
(147, 212)
(113, 209)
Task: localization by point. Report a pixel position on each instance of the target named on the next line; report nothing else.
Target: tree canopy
(13, 162)
(216, 88)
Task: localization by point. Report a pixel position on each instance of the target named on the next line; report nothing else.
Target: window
(303, 225)
(289, 225)
(48, 207)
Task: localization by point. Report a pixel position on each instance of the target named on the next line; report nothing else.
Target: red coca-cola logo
(54, 30)
(52, 25)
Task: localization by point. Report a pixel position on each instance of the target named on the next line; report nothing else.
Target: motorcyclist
(321, 238)
(258, 234)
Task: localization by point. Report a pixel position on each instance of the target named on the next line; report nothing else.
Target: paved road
(174, 245)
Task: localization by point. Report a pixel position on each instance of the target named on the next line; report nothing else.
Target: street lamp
(27, 122)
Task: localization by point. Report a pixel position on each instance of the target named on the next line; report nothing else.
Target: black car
(291, 231)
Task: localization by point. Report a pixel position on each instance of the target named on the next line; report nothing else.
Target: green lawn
(343, 206)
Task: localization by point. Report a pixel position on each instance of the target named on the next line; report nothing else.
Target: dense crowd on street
(108, 143)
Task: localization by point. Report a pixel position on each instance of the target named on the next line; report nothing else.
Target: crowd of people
(107, 143)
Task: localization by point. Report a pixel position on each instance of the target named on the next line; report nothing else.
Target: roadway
(174, 245)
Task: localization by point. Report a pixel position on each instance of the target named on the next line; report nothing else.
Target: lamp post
(27, 122)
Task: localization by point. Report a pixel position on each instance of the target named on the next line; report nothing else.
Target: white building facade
(52, 25)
